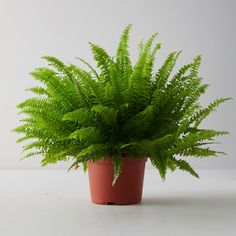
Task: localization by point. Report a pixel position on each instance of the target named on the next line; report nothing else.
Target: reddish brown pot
(128, 188)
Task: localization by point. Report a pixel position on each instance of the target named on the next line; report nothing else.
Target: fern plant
(119, 110)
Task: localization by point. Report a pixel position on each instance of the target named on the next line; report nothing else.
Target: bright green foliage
(119, 110)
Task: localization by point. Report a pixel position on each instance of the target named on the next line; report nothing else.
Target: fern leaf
(183, 165)
(38, 90)
(30, 154)
(103, 60)
(53, 61)
(164, 72)
(117, 161)
(55, 86)
(109, 115)
(89, 66)
(203, 113)
(34, 145)
(123, 62)
(191, 139)
(200, 152)
(160, 162)
(83, 116)
(87, 134)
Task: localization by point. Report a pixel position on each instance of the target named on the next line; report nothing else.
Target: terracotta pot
(128, 188)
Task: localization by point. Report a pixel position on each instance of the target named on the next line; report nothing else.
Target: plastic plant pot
(128, 187)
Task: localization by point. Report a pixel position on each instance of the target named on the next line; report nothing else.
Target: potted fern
(113, 119)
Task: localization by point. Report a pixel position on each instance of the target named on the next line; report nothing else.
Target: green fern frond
(160, 162)
(30, 154)
(53, 61)
(103, 60)
(89, 66)
(148, 68)
(164, 72)
(117, 162)
(87, 134)
(183, 165)
(55, 86)
(36, 145)
(195, 66)
(38, 90)
(109, 115)
(83, 116)
(192, 138)
(89, 90)
(203, 113)
(123, 62)
(200, 152)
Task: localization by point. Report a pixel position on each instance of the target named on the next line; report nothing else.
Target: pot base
(116, 203)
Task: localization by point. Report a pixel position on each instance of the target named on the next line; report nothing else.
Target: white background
(46, 202)
(30, 29)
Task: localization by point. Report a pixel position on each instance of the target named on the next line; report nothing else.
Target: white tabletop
(53, 202)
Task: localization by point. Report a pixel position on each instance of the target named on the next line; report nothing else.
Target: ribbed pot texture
(128, 188)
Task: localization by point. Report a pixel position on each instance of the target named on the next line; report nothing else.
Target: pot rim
(127, 160)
